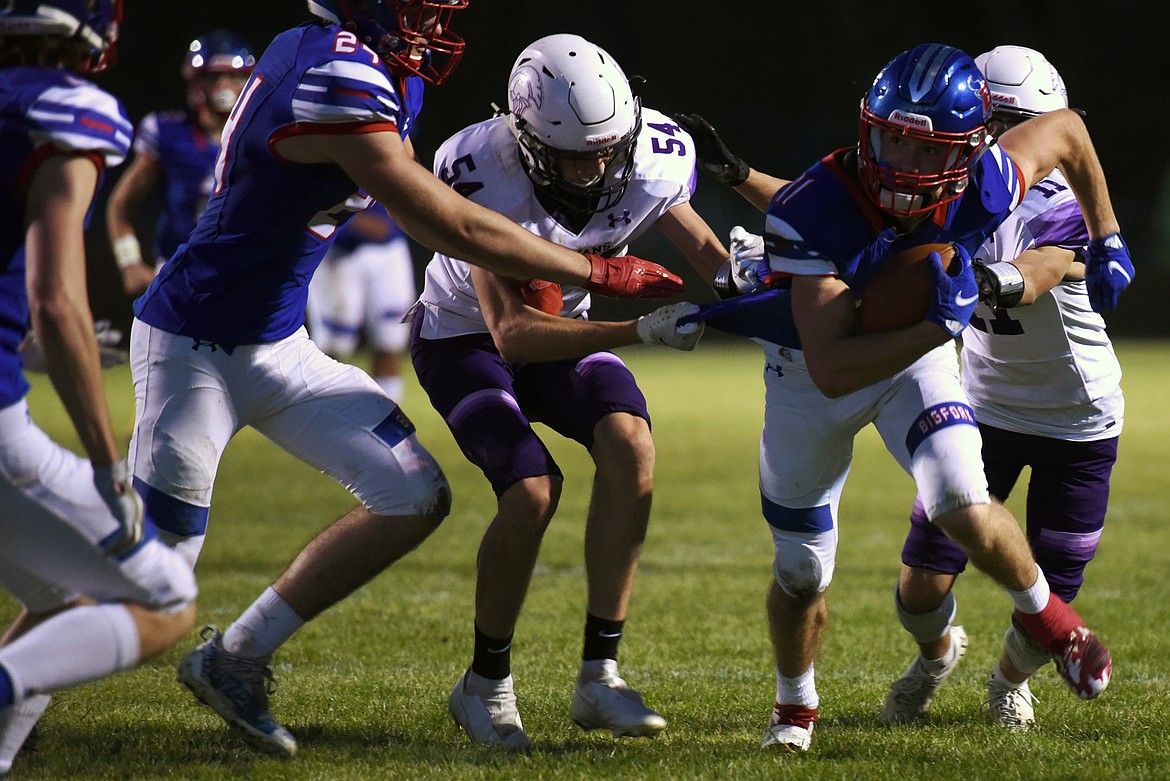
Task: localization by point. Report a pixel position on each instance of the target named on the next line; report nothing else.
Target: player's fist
(629, 277)
(715, 158)
(542, 295)
(1108, 271)
(952, 298)
(662, 327)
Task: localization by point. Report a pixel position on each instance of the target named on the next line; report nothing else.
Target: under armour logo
(768, 367)
(624, 219)
(197, 343)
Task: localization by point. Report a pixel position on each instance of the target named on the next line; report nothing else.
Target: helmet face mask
(576, 122)
(933, 94)
(209, 59)
(94, 23)
(412, 37)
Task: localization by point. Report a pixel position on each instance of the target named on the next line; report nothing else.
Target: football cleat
(1011, 706)
(790, 729)
(237, 689)
(1080, 656)
(910, 696)
(608, 702)
(492, 718)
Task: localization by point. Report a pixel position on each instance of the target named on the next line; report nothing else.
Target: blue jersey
(43, 112)
(822, 224)
(185, 156)
(242, 276)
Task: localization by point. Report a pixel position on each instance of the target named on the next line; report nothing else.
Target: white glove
(661, 327)
(108, 339)
(117, 490)
(749, 266)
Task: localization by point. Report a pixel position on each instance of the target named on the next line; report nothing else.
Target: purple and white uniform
(921, 413)
(1045, 386)
(488, 402)
(219, 340)
(54, 521)
(185, 156)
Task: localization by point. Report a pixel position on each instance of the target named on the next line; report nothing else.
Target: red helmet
(412, 37)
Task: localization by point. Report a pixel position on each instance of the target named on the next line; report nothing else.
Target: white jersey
(482, 162)
(1049, 368)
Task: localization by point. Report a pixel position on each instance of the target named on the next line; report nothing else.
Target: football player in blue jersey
(218, 341)
(99, 592)
(925, 170)
(1045, 386)
(175, 151)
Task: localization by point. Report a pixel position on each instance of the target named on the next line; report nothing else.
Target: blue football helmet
(209, 56)
(95, 23)
(932, 93)
(412, 37)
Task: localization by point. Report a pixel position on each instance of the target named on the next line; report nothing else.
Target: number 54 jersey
(242, 276)
(482, 163)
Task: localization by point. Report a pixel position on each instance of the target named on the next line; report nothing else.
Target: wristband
(127, 251)
(1008, 282)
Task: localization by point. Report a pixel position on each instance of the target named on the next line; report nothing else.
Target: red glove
(545, 296)
(629, 277)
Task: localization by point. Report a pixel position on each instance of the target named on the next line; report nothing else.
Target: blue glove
(1108, 271)
(952, 299)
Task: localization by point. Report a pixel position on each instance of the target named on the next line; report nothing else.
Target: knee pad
(804, 562)
(931, 625)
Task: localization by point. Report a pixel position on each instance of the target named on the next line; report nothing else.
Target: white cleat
(608, 702)
(492, 718)
(910, 696)
(790, 729)
(1011, 706)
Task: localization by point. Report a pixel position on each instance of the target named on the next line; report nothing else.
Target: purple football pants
(489, 403)
(1067, 498)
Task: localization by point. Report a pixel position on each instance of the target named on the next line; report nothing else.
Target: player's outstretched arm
(726, 167)
(685, 229)
(1059, 139)
(441, 219)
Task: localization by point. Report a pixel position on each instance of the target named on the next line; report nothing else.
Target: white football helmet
(569, 101)
(1023, 83)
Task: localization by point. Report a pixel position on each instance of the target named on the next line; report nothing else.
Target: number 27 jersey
(242, 276)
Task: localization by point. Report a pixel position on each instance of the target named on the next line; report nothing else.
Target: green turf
(364, 687)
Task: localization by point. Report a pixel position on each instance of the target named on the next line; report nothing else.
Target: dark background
(781, 80)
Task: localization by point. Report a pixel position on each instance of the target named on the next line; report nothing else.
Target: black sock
(601, 638)
(492, 657)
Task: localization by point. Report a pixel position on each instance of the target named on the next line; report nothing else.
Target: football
(898, 295)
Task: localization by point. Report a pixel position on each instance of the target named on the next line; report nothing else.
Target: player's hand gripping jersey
(43, 112)
(242, 277)
(482, 164)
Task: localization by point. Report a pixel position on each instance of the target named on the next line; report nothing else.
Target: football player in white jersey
(99, 592)
(218, 341)
(1044, 383)
(579, 161)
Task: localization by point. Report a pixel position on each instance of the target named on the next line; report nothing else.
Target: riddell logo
(604, 140)
(911, 120)
(999, 97)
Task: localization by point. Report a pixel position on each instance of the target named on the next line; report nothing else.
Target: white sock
(998, 676)
(1034, 598)
(801, 690)
(16, 721)
(265, 626)
(393, 386)
(79, 645)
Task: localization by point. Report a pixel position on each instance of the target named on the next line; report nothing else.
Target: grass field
(364, 687)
